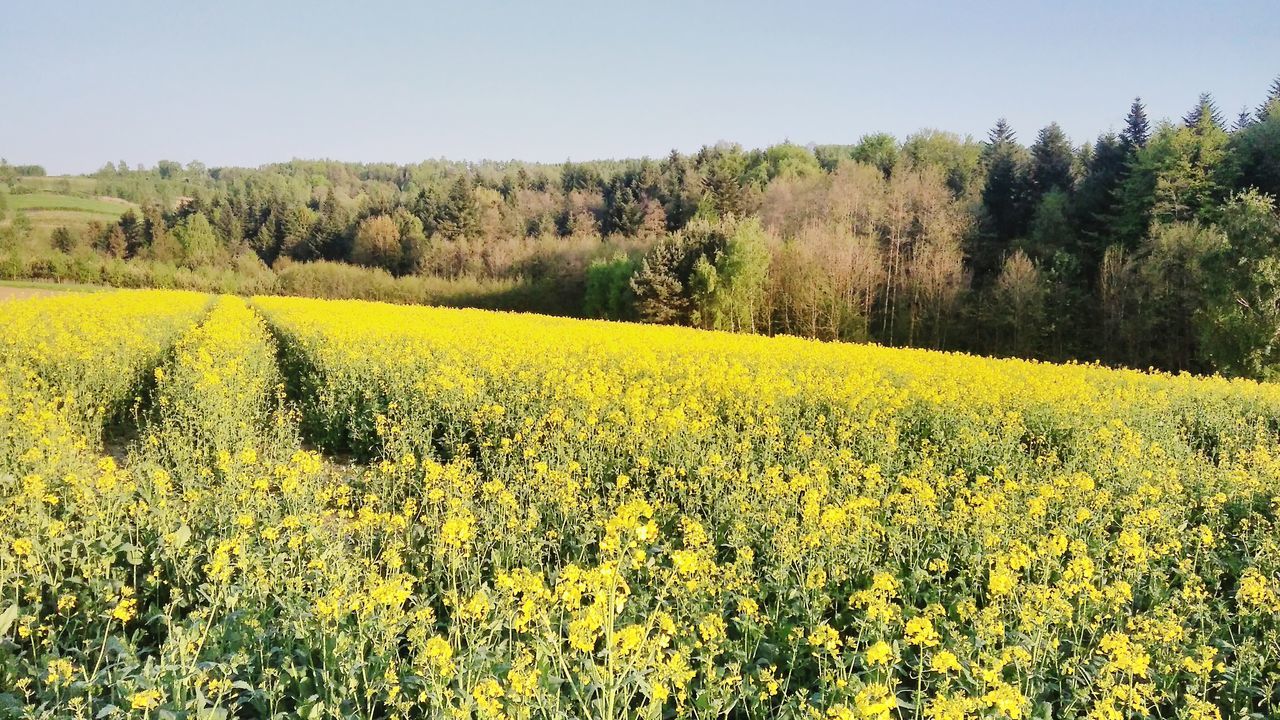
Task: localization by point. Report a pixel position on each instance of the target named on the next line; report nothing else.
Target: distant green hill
(62, 184)
(49, 210)
(99, 208)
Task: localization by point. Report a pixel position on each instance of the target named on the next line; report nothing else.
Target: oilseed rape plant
(218, 508)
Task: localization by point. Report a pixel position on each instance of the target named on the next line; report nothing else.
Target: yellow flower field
(220, 508)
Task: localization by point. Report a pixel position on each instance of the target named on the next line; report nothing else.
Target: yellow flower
(629, 638)
(1256, 594)
(22, 547)
(919, 631)
(875, 702)
(944, 661)
(439, 656)
(127, 607)
(825, 638)
(1125, 656)
(711, 628)
(1202, 662)
(60, 671)
(458, 530)
(879, 654)
(487, 695)
(146, 700)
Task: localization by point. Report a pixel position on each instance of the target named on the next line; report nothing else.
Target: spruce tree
(1136, 128)
(623, 212)
(266, 241)
(1243, 120)
(134, 233)
(1001, 134)
(1205, 108)
(1096, 203)
(1051, 158)
(1269, 105)
(1003, 197)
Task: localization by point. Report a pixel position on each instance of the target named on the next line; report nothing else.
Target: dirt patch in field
(19, 293)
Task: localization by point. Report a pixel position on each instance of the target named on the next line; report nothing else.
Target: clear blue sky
(245, 83)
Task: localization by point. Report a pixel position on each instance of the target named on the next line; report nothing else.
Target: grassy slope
(50, 209)
(58, 202)
(61, 184)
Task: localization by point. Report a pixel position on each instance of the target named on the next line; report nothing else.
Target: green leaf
(7, 617)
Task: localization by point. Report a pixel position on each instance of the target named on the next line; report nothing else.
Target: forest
(1157, 246)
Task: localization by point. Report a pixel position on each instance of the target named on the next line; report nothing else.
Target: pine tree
(459, 214)
(722, 178)
(1096, 203)
(1243, 120)
(1136, 128)
(1255, 151)
(1269, 105)
(623, 212)
(1051, 158)
(1000, 135)
(1205, 108)
(63, 239)
(1003, 197)
(658, 285)
(266, 242)
(135, 237)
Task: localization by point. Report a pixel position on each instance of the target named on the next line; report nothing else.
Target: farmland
(47, 210)
(55, 202)
(273, 507)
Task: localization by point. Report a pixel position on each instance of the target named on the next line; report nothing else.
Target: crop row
(554, 518)
(775, 527)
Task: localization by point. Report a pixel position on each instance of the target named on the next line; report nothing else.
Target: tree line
(1156, 246)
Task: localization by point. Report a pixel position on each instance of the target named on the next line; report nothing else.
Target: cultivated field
(538, 517)
(48, 211)
(54, 202)
(66, 184)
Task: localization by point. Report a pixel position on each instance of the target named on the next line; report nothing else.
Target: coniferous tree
(659, 285)
(332, 231)
(1205, 108)
(723, 173)
(1176, 271)
(135, 237)
(63, 239)
(624, 214)
(679, 190)
(266, 241)
(1243, 120)
(1193, 174)
(1255, 154)
(1136, 128)
(154, 228)
(459, 214)
(1051, 160)
(1003, 198)
(228, 226)
(1096, 203)
(115, 244)
(297, 231)
(1269, 105)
